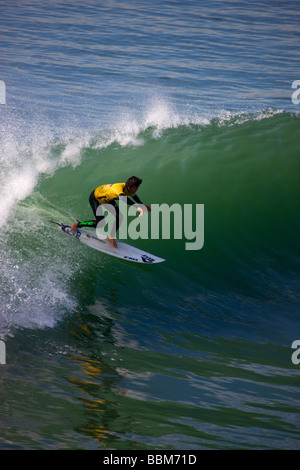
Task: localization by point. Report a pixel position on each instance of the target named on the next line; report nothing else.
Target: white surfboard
(123, 251)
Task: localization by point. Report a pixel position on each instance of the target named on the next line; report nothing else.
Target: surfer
(108, 194)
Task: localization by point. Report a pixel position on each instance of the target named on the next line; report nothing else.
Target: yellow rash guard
(108, 192)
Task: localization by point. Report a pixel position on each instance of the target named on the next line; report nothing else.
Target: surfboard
(123, 251)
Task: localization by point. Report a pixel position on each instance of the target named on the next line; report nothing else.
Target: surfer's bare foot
(112, 241)
(73, 228)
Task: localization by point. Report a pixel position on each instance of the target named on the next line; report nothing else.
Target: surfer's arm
(129, 201)
(135, 200)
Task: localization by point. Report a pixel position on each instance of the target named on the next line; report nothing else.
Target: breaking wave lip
(29, 150)
(160, 116)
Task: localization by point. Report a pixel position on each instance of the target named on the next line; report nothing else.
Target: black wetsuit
(96, 207)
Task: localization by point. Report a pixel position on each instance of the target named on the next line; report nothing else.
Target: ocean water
(195, 98)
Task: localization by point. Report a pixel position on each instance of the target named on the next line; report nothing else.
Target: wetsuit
(108, 194)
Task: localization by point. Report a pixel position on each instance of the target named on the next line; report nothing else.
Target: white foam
(34, 292)
(157, 115)
(26, 153)
(31, 300)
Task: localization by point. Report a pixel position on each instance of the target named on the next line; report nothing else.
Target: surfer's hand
(142, 208)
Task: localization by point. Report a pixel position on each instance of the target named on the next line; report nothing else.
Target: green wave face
(200, 343)
(242, 169)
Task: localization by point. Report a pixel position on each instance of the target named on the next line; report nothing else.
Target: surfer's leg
(114, 209)
(94, 205)
(90, 223)
(118, 217)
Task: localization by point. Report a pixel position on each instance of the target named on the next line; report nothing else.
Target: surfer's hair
(133, 181)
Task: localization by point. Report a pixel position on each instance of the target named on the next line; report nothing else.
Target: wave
(29, 150)
(243, 167)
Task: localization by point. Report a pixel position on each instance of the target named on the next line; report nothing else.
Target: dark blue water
(196, 99)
